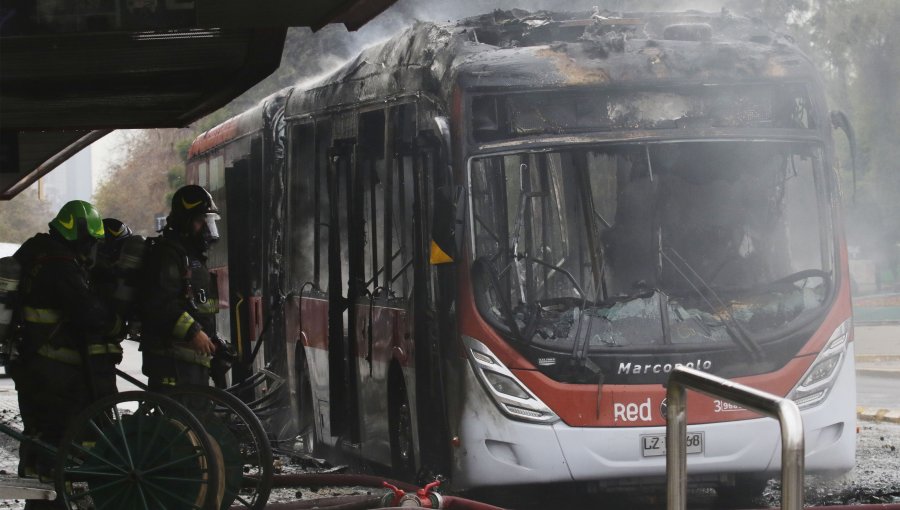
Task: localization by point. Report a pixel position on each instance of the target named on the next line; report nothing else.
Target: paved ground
(875, 390)
(878, 371)
(876, 478)
(881, 340)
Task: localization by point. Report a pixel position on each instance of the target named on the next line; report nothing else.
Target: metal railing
(784, 410)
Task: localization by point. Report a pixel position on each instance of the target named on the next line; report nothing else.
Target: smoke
(858, 79)
(405, 12)
(441, 11)
(309, 57)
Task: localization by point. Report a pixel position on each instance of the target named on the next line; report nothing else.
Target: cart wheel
(242, 438)
(141, 451)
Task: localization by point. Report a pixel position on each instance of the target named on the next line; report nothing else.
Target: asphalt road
(882, 340)
(878, 390)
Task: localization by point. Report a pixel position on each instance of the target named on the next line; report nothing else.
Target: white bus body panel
(498, 451)
(495, 450)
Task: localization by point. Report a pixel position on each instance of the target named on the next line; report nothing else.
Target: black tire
(156, 456)
(745, 493)
(403, 458)
(306, 408)
(230, 422)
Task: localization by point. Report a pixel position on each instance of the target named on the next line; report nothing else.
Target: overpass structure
(72, 71)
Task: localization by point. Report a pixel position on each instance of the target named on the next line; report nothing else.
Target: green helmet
(77, 220)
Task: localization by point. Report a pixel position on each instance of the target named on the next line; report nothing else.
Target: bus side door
(382, 331)
(306, 250)
(344, 261)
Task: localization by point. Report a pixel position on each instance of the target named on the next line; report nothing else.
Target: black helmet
(190, 203)
(111, 245)
(116, 230)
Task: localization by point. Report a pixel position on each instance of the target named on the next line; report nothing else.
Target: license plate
(653, 445)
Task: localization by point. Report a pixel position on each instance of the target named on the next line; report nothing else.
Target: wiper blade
(734, 329)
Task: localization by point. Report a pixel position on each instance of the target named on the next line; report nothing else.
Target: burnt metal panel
(508, 50)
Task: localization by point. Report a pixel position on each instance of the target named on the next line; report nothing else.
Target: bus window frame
(321, 226)
(369, 154)
(203, 173)
(301, 172)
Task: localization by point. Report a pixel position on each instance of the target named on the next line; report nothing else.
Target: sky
(105, 152)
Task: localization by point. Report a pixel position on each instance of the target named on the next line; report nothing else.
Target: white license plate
(653, 445)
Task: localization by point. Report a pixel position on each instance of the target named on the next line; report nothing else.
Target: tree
(24, 216)
(140, 186)
(858, 46)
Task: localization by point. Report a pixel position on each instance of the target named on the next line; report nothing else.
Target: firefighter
(113, 282)
(179, 302)
(116, 233)
(64, 326)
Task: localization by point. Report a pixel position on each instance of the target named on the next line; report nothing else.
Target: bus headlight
(508, 393)
(818, 380)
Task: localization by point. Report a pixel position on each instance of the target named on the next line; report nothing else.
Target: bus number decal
(722, 406)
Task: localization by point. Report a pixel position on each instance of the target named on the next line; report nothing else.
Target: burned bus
(478, 249)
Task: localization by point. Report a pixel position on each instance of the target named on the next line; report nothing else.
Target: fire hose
(401, 495)
(427, 498)
(334, 503)
(336, 479)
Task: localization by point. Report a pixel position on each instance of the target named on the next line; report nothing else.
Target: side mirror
(840, 121)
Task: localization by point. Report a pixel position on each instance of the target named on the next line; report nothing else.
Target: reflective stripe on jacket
(73, 357)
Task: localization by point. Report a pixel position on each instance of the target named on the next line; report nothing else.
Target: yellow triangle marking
(438, 256)
(68, 225)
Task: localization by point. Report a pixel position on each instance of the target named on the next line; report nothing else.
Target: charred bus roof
(507, 50)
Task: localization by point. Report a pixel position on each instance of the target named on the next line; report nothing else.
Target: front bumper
(496, 450)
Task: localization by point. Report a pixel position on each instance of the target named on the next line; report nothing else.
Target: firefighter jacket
(63, 319)
(179, 299)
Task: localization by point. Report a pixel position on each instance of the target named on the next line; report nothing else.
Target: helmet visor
(212, 231)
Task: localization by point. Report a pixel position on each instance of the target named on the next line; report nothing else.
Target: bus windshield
(652, 246)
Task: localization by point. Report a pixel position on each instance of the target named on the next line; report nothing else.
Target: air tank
(10, 271)
(131, 259)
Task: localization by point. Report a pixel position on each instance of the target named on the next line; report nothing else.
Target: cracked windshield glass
(654, 246)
